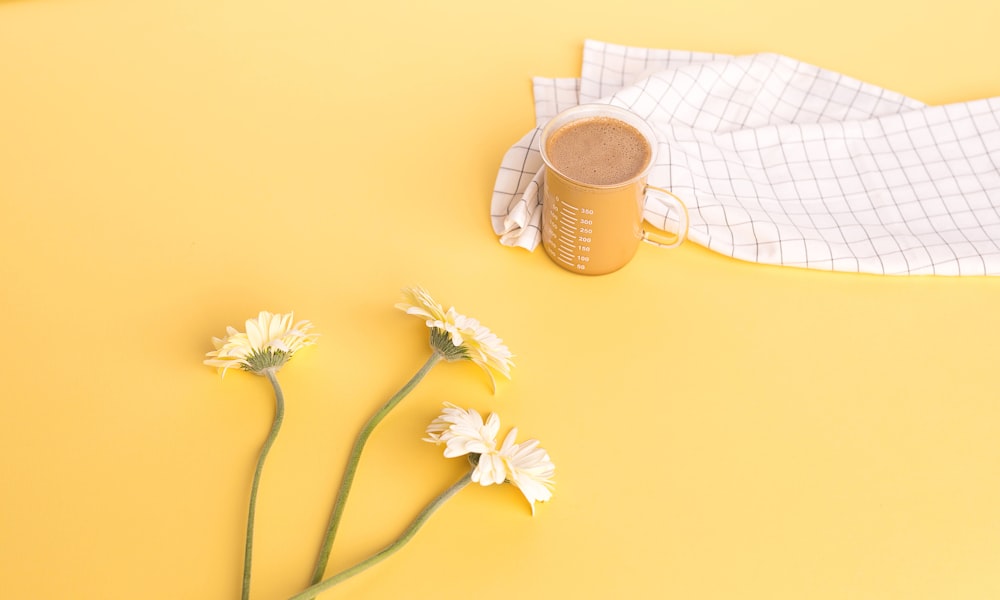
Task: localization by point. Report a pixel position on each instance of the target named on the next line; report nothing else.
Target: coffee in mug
(599, 151)
(597, 158)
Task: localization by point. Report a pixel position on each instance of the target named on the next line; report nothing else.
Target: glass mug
(597, 158)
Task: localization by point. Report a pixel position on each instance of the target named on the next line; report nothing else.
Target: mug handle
(657, 236)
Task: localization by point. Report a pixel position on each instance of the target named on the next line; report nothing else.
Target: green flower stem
(279, 416)
(392, 548)
(352, 466)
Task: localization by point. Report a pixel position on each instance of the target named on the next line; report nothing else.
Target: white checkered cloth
(785, 163)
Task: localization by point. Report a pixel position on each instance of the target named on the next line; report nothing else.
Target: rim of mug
(583, 111)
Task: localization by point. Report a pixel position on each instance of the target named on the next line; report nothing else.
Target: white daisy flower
(269, 342)
(526, 465)
(455, 336)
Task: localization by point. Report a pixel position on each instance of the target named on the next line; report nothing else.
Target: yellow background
(721, 429)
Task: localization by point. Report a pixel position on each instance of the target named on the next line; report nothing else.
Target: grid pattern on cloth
(785, 163)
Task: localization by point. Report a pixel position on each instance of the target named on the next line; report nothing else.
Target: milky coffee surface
(598, 151)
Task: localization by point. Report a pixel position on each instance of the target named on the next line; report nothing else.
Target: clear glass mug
(593, 229)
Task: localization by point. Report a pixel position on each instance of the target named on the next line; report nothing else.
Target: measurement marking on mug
(576, 230)
(568, 248)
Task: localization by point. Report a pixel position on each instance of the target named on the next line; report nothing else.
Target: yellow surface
(721, 430)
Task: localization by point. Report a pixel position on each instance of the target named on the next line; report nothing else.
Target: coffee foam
(598, 151)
